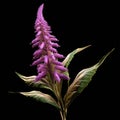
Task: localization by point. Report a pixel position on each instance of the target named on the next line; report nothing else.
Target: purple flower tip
(39, 13)
(46, 56)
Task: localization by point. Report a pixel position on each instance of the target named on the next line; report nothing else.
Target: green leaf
(42, 97)
(71, 55)
(30, 80)
(82, 80)
(26, 78)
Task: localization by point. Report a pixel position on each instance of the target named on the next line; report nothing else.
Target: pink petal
(42, 45)
(46, 59)
(39, 13)
(56, 77)
(35, 44)
(57, 55)
(62, 68)
(38, 61)
(57, 62)
(40, 76)
(63, 76)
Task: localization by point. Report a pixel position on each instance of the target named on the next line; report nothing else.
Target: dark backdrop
(75, 24)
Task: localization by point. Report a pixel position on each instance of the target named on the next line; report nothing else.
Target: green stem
(57, 92)
(63, 111)
(63, 114)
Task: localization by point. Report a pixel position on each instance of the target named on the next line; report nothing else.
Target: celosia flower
(46, 56)
(53, 71)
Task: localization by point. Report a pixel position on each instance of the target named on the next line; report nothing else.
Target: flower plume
(46, 55)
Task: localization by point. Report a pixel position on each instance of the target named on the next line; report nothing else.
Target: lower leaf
(42, 97)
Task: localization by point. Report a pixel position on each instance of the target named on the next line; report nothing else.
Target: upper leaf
(42, 97)
(71, 55)
(81, 81)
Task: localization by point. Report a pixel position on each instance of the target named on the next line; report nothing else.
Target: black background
(75, 24)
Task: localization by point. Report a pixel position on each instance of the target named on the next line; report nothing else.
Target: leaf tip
(80, 49)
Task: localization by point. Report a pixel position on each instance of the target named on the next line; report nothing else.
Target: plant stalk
(63, 114)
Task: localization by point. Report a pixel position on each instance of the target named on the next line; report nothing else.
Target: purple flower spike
(46, 56)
